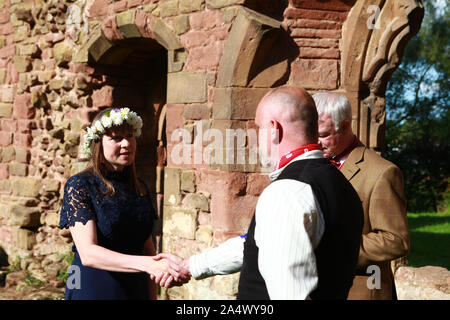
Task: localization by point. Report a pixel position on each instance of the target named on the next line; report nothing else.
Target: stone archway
(135, 52)
(371, 55)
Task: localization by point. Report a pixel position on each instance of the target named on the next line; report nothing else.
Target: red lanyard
(285, 159)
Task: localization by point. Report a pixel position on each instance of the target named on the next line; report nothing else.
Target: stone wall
(181, 64)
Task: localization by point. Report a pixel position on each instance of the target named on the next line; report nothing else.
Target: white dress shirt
(289, 226)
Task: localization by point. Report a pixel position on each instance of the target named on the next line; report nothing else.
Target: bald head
(294, 109)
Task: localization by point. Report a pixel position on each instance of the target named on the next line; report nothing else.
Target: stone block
(197, 112)
(21, 33)
(26, 187)
(63, 53)
(204, 234)
(3, 73)
(180, 222)
(103, 97)
(52, 219)
(8, 154)
(217, 4)
(4, 174)
(126, 24)
(165, 35)
(315, 74)
(18, 169)
(168, 8)
(186, 87)
(23, 108)
(172, 181)
(188, 181)
(236, 103)
(191, 5)
(52, 185)
(24, 239)
(6, 110)
(181, 24)
(425, 283)
(196, 201)
(6, 138)
(24, 216)
(332, 5)
(22, 63)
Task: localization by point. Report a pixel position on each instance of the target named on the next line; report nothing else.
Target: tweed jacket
(385, 236)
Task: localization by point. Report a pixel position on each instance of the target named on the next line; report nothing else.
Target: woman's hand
(157, 269)
(178, 269)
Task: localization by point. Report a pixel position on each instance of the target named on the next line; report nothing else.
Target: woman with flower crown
(110, 216)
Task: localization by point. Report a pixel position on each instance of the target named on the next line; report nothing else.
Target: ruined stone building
(181, 64)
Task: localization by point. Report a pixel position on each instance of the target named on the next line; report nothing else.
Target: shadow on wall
(3, 258)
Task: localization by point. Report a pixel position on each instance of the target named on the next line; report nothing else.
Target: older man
(379, 184)
(304, 238)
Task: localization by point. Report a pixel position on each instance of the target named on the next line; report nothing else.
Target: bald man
(307, 222)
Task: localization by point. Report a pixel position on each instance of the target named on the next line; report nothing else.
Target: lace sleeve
(77, 205)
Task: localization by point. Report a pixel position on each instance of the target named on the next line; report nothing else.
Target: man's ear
(345, 125)
(276, 132)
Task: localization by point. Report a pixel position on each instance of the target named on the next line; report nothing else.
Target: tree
(417, 100)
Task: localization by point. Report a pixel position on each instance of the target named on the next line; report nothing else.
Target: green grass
(430, 239)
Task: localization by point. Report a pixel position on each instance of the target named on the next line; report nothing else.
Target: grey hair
(335, 105)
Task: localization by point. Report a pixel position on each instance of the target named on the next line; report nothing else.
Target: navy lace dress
(124, 222)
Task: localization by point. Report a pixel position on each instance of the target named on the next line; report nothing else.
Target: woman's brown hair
(97, 159)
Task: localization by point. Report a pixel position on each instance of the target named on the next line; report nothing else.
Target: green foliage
(14, 266)
(430, 236)
(33, 281)
(417, 101)
(62, 273)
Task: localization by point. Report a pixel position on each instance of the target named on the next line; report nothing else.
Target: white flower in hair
(99, 127)
(107, 121)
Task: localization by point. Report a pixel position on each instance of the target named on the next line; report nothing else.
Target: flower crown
(115, 117)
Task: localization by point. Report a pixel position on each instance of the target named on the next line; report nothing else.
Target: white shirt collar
(315, 154)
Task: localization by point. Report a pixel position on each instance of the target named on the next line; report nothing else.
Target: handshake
(170, 270)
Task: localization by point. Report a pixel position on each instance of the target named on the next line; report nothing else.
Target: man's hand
(179, 273)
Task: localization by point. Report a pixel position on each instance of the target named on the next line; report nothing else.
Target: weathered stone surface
(23, 238)
(26, 187)
(172, 180)
(197, 112)
(256, 183)
(216, 4)
(165, 35)
(24, 216)
(315, 74)
(18, 169)
(181, 24)
(168, 8)
(204, 234)
(196, 201)
(8, 154)
(22, 63)
(241, 48)
(63, 53)
(126, 24)
(23, 108)
(236, 103)
(186, 6)
(188, 181)
(6, 110)
(186, 87)
(425, 283)
(180, 222)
